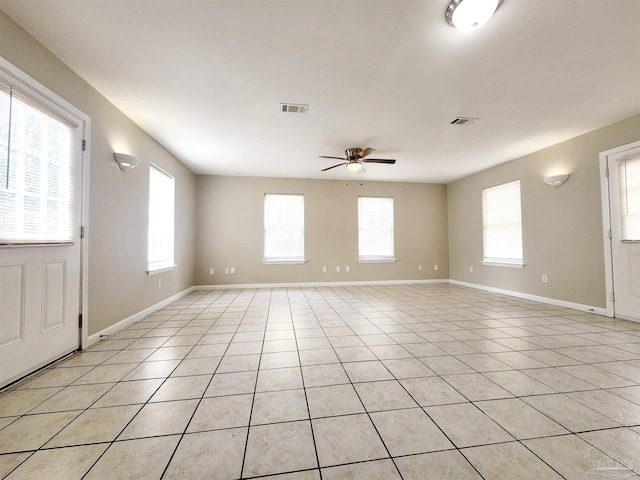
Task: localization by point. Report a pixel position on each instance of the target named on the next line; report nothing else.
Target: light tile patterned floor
(372, 382)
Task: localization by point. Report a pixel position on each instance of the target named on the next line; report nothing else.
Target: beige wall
(118, 283)
(230, 230)
(562, 227)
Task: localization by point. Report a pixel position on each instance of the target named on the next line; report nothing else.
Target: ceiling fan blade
(379, 160)
(365, 152)
(329, 168)
(335, 158)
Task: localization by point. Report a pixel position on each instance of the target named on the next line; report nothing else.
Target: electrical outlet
(338, 269)
(324, 269)
(470, 269)
(211, 271)
(232, 270)
(545, 279)
(347, 269)
(435, 267)
(420, 267)
(159, 282)
(226, 270)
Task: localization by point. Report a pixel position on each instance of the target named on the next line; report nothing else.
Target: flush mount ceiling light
(126, 162)
(470, 14)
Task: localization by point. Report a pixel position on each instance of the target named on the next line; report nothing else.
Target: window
(502, 224)
(375, 229)
(283, 228)
(161, 219)
(629, 187)
(36, 172)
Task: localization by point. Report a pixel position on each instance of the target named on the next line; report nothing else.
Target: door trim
(606, 223)
(32, 86)
(84, 241)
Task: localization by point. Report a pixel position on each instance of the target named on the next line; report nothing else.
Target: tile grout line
(367, 413)
(255, 386)
(134, 416)
(204, 392)
(304, 388)
(428, 416)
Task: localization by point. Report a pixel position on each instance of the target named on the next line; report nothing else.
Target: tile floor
(376, 382)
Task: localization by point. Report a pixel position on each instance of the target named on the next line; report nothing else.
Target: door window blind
(629, 188)
(36, 171)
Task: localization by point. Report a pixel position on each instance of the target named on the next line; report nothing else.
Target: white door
(40, 214)
(624, 205)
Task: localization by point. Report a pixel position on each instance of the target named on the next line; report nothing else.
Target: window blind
(629, 188)
(283, 227)
(502, 224)
(375, 228)
(161, 219)
(36, 171)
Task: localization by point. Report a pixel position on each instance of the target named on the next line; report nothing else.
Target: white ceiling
(206, 78)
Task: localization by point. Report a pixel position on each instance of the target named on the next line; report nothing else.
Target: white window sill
(159, 270)
(498, 263)
(376, 260)
(284, 261)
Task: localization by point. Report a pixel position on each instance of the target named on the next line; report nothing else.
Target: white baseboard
(116, 327)
(537, 298)
(628, 317)
(319, 284)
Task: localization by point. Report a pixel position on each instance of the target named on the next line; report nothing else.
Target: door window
(36, 180)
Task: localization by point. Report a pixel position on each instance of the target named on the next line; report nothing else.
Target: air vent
(463, 121)
(293, 108)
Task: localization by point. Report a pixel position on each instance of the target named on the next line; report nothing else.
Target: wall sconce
(556, 180)
(126, 162)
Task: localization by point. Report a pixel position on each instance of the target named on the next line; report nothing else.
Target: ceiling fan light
(468, 15)
(354, 166)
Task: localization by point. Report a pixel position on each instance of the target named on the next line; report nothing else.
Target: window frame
(374, 258)
(502, 261)
(167, 207)
(298, 230)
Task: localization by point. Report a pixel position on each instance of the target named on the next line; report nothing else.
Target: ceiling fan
(355, 159)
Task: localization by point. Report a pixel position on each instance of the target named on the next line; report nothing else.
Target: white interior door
(40, 216)
(624, 201)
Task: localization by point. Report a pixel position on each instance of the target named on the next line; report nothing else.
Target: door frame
(34, 87)
(606, 222)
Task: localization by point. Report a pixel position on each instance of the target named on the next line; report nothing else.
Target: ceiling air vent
(463, 121)
(293, 108)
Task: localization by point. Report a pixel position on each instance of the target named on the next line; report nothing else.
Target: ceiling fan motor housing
(352, 153)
